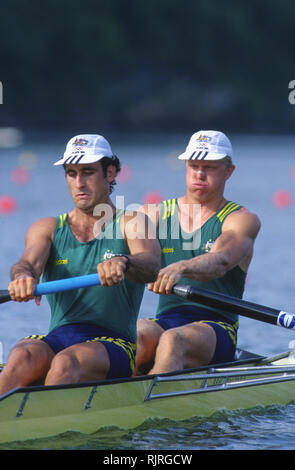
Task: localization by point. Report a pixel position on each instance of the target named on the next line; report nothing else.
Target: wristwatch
(116, 255)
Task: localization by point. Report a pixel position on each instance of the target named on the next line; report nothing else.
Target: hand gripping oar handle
(51, 287)
(196, 294)
(234, 305)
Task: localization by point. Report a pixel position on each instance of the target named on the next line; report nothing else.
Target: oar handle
(61, 285)
(52, 287)
(234, 305)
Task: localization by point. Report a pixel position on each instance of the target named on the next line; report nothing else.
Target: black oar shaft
(4, 296)
(234, 305)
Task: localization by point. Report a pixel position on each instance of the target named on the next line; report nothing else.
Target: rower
(207, 241)
(92, 332)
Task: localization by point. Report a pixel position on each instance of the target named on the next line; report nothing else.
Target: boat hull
(38, 412)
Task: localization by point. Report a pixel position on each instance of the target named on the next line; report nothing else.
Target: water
(264, 165)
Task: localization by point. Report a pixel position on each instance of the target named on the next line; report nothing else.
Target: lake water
(264, 166)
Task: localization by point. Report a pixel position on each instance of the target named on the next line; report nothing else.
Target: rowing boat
(43, 411)
(249, 381)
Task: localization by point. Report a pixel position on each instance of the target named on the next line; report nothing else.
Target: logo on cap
(79, 142)
(204, 138)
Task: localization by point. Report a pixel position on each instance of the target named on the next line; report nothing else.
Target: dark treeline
(147, 65)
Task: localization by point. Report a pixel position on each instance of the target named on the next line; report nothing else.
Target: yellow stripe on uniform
(127, 346)
(62, 220)
(38, 337)
(225, 208)
(165, 210)
(230, 329)
(173, 206)
(169, 208)
(118, 215)
(231, 206)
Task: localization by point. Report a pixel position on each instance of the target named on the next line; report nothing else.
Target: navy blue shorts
(226, 332)
(120, 349)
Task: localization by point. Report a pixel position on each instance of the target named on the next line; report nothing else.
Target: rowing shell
(44, 411)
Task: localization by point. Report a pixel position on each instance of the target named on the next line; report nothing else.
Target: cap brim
(202, 155)
(78, 159)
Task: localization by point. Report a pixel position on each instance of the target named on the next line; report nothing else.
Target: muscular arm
(233, 247)
(26, 272)
(144, 258)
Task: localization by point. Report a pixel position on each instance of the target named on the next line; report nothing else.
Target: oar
(61, 285)
(195, 294)
(235, 305)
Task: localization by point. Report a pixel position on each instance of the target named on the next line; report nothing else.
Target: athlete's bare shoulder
(43, 227)
(243, 219)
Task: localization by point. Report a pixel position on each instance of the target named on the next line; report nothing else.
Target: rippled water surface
(260, 428)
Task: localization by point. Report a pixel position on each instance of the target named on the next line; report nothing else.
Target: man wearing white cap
(92, 333)
(206, 241)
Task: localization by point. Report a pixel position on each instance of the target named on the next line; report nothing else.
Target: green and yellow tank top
(116, 307)
(177, 245)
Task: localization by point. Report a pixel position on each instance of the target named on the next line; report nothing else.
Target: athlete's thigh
(198, 343)
(148, 335)
(88, 361)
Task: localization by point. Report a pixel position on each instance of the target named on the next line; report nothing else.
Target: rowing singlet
(116, 307)
(177, 245)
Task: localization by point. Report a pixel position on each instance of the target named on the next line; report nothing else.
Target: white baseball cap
(207, 145)
(86, 148)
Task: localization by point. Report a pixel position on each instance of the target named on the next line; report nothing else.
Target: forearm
(205, 267)
(201, 268)
(144, 267)
(23, 268)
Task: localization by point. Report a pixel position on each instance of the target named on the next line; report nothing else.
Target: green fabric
(173, 239)
(116, 307)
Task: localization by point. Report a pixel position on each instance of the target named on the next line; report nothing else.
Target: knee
(142, 325)
(63, 367)
(20, 354)
(27, 353)
(172, 335)
(171, 339)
